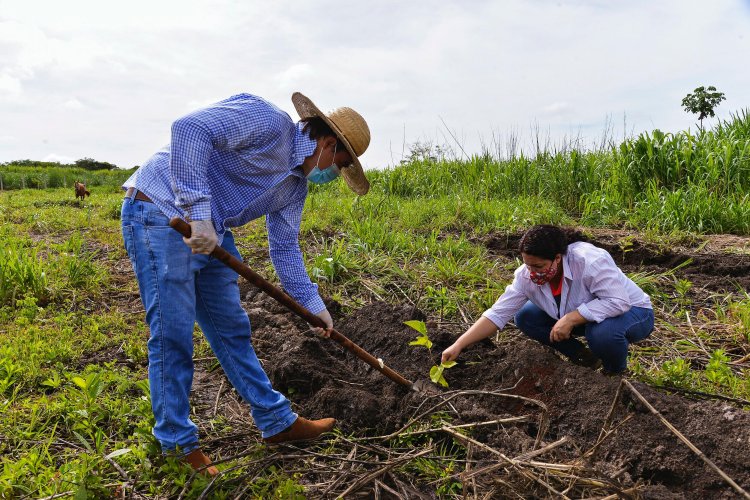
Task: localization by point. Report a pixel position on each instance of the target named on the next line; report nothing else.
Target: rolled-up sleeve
(283, 242)
(508, 304)
(224, 126)
(605, 282)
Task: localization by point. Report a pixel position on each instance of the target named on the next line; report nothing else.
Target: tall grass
(670, 181)
(26, 177)
(22, 271)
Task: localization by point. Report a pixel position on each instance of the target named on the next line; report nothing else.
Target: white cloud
(487, 68)
(73, 104)
(58, 158)
(293, 76)
(10, 87)
(557, 109)
(395, 108)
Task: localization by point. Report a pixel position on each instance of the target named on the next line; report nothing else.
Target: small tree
(702, 102)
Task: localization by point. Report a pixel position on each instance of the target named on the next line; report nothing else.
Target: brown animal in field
(81, 191)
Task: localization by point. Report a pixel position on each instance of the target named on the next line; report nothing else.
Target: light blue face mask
(318, 176)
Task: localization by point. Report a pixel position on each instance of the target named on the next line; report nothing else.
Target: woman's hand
(560, 331)
(482, 329)
(451, 354)
(564, 326)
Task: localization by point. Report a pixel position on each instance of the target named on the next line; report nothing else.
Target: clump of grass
(22, 270)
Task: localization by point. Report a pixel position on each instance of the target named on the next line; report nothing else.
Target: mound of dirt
(322, 379)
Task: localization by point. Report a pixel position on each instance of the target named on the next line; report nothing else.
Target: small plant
(702, 102)
(717, 370)
(676, 372)
(436, 373)
(681, 288)
(422, 339)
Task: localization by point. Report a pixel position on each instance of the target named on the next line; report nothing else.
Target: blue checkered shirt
(233, 162)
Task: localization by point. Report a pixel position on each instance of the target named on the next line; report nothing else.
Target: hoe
(256, 279)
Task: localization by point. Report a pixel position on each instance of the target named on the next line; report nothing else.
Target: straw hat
(350, 128)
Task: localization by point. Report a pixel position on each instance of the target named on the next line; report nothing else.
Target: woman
(568, 288)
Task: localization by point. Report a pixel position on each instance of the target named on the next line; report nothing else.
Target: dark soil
(322, 379)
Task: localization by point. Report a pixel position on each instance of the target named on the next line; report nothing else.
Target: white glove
(203, 237)
(326, 317)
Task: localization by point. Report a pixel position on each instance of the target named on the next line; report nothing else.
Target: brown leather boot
(197, 459)
(302, 430)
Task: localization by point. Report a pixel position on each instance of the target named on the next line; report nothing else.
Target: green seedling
(422, 338)
(436, 373)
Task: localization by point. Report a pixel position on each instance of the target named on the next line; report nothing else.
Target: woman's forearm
(482, 329)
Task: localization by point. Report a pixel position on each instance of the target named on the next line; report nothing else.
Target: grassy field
(74, 399)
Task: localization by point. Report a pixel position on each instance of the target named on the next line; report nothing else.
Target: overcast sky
(106, 79)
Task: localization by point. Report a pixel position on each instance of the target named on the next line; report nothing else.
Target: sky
(105, 80)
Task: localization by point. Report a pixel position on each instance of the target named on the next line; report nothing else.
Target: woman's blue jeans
(177, 288)
(608, 340)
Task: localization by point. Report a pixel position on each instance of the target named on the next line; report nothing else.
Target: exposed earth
(639, 457)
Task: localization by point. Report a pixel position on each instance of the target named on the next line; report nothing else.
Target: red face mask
(545, 276)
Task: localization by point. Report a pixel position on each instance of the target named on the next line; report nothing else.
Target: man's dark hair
(316, 128)
(545, 240)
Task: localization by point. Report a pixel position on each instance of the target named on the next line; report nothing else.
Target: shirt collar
(303, 146)
(566, 265)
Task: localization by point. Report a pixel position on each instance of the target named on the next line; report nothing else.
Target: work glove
(326, 317)
(203, 238)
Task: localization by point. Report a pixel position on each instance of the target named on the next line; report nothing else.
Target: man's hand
(203, 238)
(326, 317)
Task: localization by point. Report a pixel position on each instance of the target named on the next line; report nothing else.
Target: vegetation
(702, 102)
(73, 391)
(28, 174)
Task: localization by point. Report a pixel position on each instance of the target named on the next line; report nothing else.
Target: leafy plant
(422, 339)
(702, 102)
(436, 373)
(676, 372)
(717, 370)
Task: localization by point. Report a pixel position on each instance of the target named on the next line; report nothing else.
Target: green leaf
(448, 364)
(436, 373)
(119, 452)
(84, 442)
(79, 382)
(417, 325)
(422, 340)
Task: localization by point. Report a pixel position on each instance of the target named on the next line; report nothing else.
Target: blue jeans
(177, 288)
(608, 340)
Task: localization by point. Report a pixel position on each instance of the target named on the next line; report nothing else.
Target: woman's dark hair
(316, 127)
(545, 240)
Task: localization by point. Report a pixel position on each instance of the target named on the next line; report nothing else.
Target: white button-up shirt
(592, 284)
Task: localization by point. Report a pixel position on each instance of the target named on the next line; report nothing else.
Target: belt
(138, 195)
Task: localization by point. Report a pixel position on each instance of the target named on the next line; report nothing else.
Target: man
(228, 164)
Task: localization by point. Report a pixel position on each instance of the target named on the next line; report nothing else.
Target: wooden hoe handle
(256, 279)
